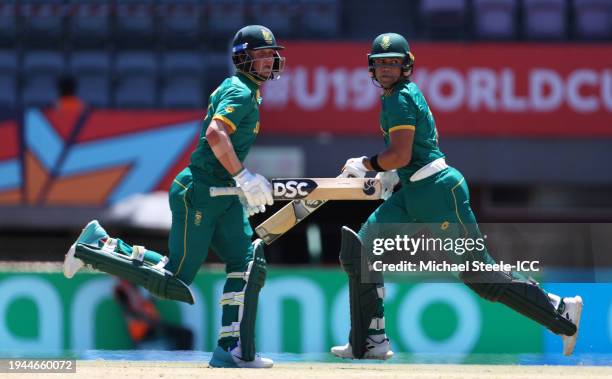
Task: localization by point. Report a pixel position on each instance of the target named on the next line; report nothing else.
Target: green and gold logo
(229, 109)
(197, 219)
(267, 36)
(386, 42)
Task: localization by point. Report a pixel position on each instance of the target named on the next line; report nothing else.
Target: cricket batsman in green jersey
(431, 192)
(200, 222)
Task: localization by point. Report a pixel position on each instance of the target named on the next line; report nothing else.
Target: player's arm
(401, 134)
(218, 137)
(399, 152)
(256, 189)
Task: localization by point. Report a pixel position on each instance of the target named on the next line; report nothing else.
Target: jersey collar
(399, 83)
(249, 80)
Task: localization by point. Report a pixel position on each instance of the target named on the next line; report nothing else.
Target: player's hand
(388, 181)
(354, 168)
(251, 210)
(256, 189)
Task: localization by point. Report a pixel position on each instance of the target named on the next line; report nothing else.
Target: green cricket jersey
(404, 107)
(236, 102)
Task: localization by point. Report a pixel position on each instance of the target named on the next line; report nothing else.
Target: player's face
(387, 71)
(263, 62)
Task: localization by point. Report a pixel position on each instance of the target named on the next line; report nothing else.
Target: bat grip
(225, 191)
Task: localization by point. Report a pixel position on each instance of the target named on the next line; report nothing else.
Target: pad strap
(377, 323)
(232, 330)
(239, 275)
(109, 246)
(138, 253)
(232, 298)
(162, 263)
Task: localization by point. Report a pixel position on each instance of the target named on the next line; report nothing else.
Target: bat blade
(317, 189)
(326, 189)
(286, 218)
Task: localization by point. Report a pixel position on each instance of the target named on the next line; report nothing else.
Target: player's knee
(185, 273)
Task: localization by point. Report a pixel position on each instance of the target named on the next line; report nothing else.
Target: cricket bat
(286, 218)
(315, 189)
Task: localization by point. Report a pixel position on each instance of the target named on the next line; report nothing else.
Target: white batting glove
(354, 168)
(388, 181)
(256, 189)
(251, 210)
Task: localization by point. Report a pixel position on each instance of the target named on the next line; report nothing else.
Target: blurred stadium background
(521, 91)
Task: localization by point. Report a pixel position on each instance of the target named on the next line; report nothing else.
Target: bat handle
(225, 191)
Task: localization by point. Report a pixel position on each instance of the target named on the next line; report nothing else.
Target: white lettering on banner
(448, 89)
(305, 100)
(482, 88)
(606, 89)
(577, 79)
(49, 315)
(542, 79)
(276, 93)
(511, 102)
(459, 298)
(348, 89)
(312, 314)
(446, 77)
(339, 81)
(364, 94)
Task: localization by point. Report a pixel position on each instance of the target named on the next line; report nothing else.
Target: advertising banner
(534, 90)
(300, 311)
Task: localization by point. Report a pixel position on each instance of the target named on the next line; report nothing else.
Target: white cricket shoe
(233, 359)
(91, 234)
(72, 264)
(572, 312)
(375, 350)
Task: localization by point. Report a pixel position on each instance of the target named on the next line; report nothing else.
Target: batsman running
(200, 222)
(431, 192)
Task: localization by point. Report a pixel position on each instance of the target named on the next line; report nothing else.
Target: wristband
(242, 170)
(375, 165)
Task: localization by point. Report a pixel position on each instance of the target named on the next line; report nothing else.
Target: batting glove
(249, 209)
(388, 181)
(354, 168)
(256, 189)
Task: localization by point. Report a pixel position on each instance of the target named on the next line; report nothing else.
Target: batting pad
(159, 281)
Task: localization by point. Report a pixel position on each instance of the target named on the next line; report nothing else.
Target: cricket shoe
(92, 233)
(233, 359)
(374, 350)
(572, 312)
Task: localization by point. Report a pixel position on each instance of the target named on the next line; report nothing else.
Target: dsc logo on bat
(293, 189)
